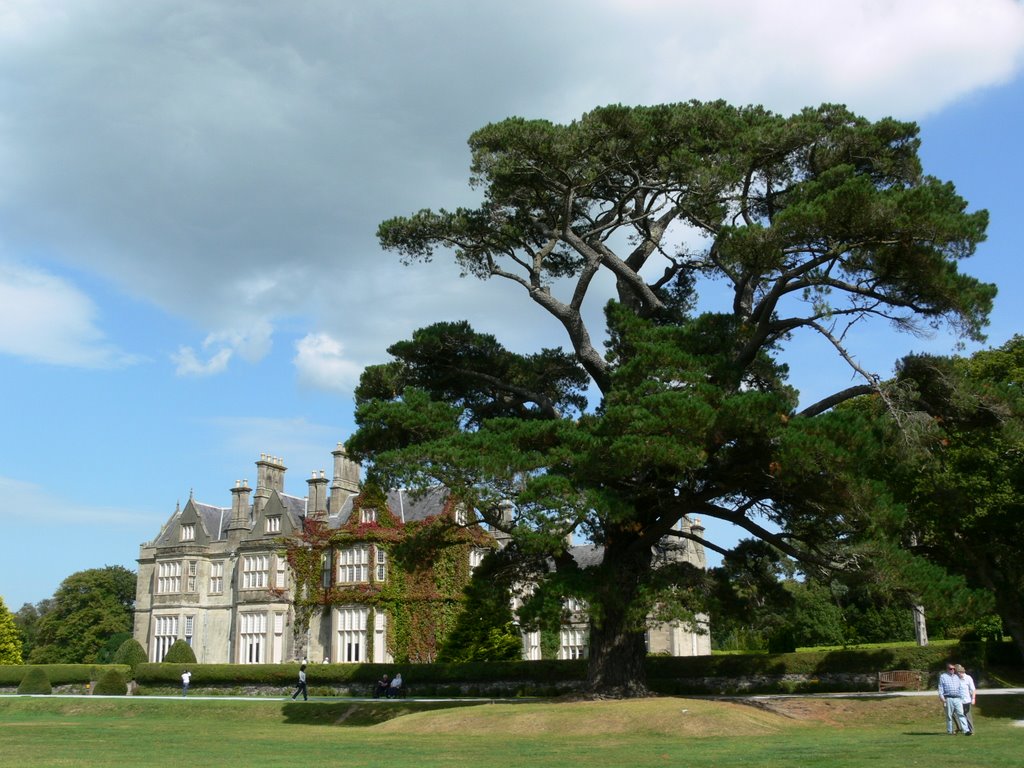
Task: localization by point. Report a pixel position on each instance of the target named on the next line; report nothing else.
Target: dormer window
(367, 515)
(188, 532)
(274, 524)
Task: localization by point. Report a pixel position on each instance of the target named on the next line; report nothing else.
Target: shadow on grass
(360, 714)
(1005, 707)
(926, 733)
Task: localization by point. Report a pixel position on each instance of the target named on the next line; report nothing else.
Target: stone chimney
(504, 522)
(269, 477)
(240, 506)
(698, 530)
(346, 479)
(316, 505)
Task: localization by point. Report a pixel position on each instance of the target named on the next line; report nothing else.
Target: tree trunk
(1009, 609)
(618, 645)
(920, 625)
(999, 575)
(616, 666)
(300, 631)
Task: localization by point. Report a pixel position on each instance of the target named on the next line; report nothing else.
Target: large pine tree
(806, 224)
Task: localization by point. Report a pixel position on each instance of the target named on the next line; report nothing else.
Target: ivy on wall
(427, 572)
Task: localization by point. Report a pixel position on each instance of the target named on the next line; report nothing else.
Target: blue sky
(189, 194)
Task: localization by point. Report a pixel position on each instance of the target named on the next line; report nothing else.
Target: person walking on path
(970, 692)
(301, 688)
(952, 697)
(186, 678)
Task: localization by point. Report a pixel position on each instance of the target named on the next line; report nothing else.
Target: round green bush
(111, 683)
(131, 653)
(180, 652)
(35, 681)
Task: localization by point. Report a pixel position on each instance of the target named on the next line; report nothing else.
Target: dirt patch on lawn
(665, 716)
(852, 712)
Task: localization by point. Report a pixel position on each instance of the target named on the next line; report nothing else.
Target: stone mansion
(218, 578)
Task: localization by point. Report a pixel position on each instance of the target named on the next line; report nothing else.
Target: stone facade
(218, 576)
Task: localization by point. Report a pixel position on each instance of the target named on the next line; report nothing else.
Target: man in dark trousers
(301, 688)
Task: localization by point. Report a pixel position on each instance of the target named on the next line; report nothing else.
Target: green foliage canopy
(88, 608)
(10, 639)
(963, 479)
(27, 619)
(809, 223)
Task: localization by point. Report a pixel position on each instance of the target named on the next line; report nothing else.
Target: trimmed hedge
(180, 652)
(819, 670)
(111, 683)
(35, 681)
(131, 653)
(551, 673)
(59, 674)
(285, 674)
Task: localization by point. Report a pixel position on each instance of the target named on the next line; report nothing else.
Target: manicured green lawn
(832, 733)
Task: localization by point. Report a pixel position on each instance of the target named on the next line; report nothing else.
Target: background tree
(10, 639)
(89, 607)
(760, 594)
(750, 599)
(964, 486)
(809, 223)
(106, 654)
(27, 620)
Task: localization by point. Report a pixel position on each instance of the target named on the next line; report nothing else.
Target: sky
(189, 196)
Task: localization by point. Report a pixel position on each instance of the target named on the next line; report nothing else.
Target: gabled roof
(409, 507)
(405, 505)
(213, 519)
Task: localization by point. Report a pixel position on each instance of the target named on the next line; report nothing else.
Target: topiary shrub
(111, 683)
(180, 652)
(35, 681)
(131, 653)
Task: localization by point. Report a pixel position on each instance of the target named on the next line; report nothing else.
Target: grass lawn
(805, 732)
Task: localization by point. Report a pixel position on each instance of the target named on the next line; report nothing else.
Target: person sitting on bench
(395, 689)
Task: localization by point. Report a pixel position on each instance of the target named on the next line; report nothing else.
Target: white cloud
(44, 318)
(188, 363)
(321, 363)
(251, 345)
(902, 57)
(229, 162)
(24, 500)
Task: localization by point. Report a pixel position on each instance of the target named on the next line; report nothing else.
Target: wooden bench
(906, 679)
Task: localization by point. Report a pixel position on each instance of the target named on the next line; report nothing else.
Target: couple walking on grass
(958, 694)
